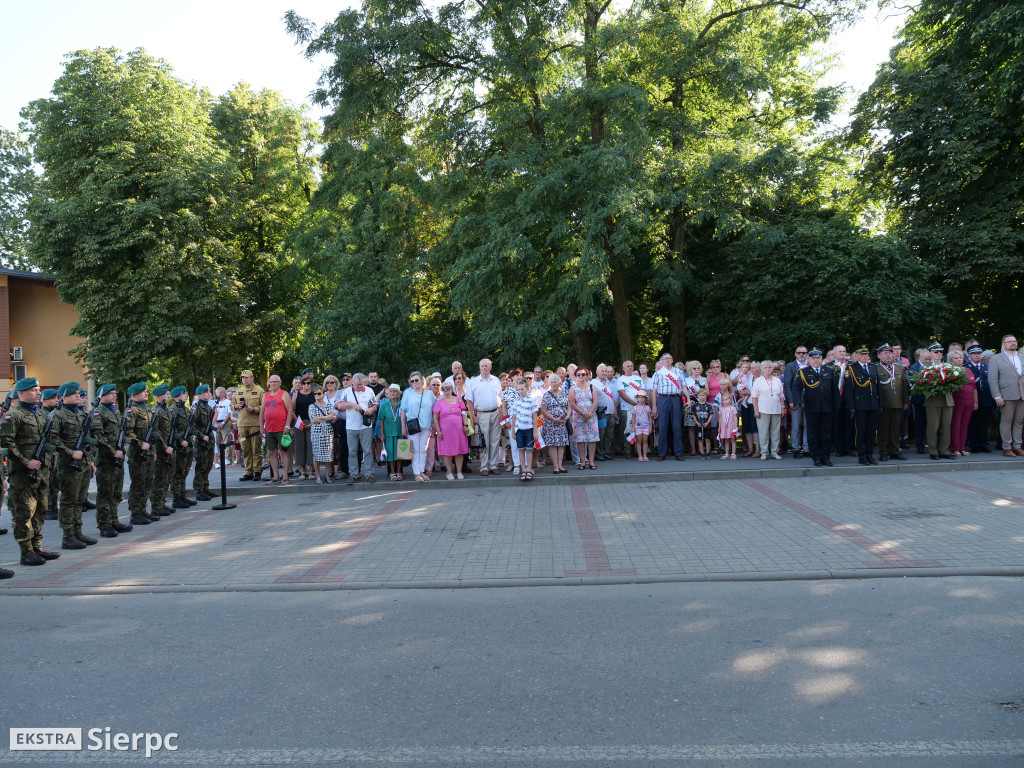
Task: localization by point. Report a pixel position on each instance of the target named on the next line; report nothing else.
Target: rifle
(149, 432)
(83, 437)
(40, 452)
(188, 429)
(169, 457)
(209, 425)
(7, 403)
(121, 437)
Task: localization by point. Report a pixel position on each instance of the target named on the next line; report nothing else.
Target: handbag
(412, 426)
(467, 426)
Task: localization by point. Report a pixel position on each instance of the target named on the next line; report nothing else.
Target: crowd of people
(948, 402)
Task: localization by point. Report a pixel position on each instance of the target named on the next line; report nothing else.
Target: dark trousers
(864, 429)
(977, 430)
(920, 420)
(889, 425)
(670, 420)
(819, 434)
(842, 431)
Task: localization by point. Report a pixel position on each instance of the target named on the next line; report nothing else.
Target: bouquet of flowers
(939, 379)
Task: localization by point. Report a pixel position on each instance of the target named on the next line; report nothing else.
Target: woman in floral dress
(554, 408)
(583, 402)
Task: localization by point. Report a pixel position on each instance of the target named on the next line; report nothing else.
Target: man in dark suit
(917, 401)
(816, 386)
(842, 424)
(861, 400)
(794, 397)
(977, 431)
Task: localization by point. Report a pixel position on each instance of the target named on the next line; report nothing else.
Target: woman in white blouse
(767, 396)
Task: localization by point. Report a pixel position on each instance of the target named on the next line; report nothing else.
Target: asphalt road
(887, 672)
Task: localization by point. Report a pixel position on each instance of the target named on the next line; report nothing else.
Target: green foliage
(17, 184)
(944, 121)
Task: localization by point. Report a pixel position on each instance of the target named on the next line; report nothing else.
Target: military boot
(47, 554)
(29, 557)
(88, 504)
(6, 574)
(52, 515)
(70, 542)
(120, 527)
(142, 519)
(83, 538)
(108, 533)
(3, 531)
(203, 496)
(180, 503)
(153, 517)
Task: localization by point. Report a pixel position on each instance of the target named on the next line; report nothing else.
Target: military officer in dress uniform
(140, 454)
(820, 394)
(74, 470)
(894, 389)
(183, 440)
(842, 425)
(109, 463)
(205, 442)
(862, 401)
(164, 454)
(977, 431)
(49, 400)
(248, 402)
(938, 414)
(20, 433)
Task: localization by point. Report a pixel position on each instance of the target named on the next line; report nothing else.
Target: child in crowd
(728, 420)
(703, 412)
(640, 425)
(523, 408)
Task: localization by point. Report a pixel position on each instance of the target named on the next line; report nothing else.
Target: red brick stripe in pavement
(889, 559)
(321, 572)
(59, 578)
(975, 489)
(593, 546)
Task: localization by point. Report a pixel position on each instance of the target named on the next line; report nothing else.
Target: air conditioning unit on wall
(17, 354)
(20, 372)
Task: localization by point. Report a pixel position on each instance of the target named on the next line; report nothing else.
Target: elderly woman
(554, 410)
(431, 460)
(694, 381)
(390, 419)
(417, 420)
(583, 402)
(767, 398)
(965, 403)
(450, 419)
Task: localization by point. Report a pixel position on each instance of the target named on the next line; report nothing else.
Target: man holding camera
(360, 408)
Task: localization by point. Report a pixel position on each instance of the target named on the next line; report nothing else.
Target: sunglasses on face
(446, 387)
(413, 381)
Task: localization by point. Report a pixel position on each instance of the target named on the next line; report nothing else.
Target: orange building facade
(35, 332)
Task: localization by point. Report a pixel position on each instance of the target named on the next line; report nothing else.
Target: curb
(569, 581)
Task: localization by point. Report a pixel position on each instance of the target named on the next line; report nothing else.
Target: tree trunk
(620, 308)
(677, 303)
(580, 340)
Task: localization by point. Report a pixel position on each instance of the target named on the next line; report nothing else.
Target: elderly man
(977, 431)
(1006, 380)
(359, 406)
(630, 385)
(794, 396)
(842, 422)
(607, 399)
(247, 402)
(456, 369)
(819, 394)
(672, 400)
(894, 390)
(483, 393)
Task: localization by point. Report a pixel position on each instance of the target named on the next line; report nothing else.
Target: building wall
(41, 325)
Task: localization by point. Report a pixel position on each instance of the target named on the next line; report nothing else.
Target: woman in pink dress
(965, 403)
(451, 438)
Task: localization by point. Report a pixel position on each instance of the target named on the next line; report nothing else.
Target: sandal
(592, 467)
(580, 466)
(522, 476)
(273, 481)
(285, 482)
(528, 476)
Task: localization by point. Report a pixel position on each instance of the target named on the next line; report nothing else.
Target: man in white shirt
(484, 393)
(606, 400)
(356, 402)
(1006, 380)
(456, 368)
(629, 385)
(222, 421)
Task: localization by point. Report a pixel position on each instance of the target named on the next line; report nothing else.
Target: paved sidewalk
(450, 535)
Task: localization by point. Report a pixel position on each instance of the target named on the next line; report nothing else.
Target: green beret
(49, 394)
(177, 391)
(62, 390)
(135, 389)
(83, 393)
(202, 388)
(22, 384)
(107, 388)
(163, 389)
(305, 371)
(70, 386)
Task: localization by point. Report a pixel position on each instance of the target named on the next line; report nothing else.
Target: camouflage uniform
(109, 472)
(67, 425)
(204, 448)
(52, 500)
(20, 432)
(182, 457)
(140, 465)
(164, 464)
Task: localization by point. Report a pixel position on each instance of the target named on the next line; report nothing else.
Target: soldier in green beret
(109, 464)
(92, 451)
(205, 444)
(164, 452)
(22, 429)
(183, 440)
(74, 469)
(140, 453)
(48, 404)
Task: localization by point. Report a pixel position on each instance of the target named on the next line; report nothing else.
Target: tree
(123, 218)
(944, 122)
(17, 184)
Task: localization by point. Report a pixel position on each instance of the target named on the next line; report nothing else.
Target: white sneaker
(451, 476)
(460, 476)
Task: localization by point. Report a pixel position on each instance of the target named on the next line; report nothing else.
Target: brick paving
(472, 534)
